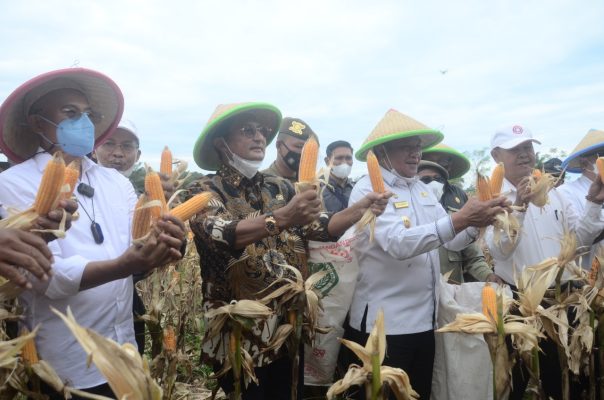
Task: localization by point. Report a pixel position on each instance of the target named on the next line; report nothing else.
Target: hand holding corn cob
(596, 190)
(27, 250)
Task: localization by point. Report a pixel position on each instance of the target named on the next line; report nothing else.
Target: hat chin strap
(47, 140)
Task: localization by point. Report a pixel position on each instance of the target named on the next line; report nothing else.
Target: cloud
(337, 64)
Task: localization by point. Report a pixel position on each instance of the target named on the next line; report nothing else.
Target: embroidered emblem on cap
(297, 128)
(517, 129)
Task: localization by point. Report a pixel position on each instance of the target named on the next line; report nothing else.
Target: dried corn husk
(540, 188)
(126, 372)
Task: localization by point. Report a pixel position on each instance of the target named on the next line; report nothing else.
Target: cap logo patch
(297, 128)
(517, 129)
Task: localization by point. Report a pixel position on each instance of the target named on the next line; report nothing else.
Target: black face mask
(292, 159)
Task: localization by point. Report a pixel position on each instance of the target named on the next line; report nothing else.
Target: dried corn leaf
(126, 372)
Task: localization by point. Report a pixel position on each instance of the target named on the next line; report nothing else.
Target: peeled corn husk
(540, 188)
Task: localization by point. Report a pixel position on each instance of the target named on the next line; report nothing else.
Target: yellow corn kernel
(29, 354)
(155, 191)
(537, 174)
(375, 174)
(165, 166)
(141, 220)
(72, 174)
(483, 188)
(497, 179)
(489, 302)
(308, 161)
(192, 206)
(50, 186)
(169, 339)
(600, 165)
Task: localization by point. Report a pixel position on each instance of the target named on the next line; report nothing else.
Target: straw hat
(459, 162)
(19, 142)
(423, 164)
(395, 125)
(592, 142)
(205, 153)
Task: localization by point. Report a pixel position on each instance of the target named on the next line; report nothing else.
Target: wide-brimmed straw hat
(17, 139)
(460, 164)
(592, 143)
(395, 125)
(204, 152)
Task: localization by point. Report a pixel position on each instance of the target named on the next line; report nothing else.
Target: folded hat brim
(428, 137)
(205, 154)
(460, 164)
(572, 163)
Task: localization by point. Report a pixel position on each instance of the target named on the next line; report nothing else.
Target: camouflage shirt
(231, 274)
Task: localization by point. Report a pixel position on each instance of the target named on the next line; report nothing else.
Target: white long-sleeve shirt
(106, 309)
(540, 232)
(399, 270)
(575, 193)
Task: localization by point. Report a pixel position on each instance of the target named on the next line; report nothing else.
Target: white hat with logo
(511, 136)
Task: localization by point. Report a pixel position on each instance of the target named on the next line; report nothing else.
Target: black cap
(295, 127)
(552, 166)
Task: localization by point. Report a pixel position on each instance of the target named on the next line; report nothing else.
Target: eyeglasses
(127, 147)
(73, 113)
(428, 179)
(249, 131)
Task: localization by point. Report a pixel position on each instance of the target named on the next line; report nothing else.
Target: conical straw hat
(205, 153)
(17, 139)
(459, 162)
(592, 142)
(395, 125)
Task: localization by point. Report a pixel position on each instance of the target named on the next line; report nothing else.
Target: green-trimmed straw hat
(459, 162)
(592, 143)
(395, 125)
(204, 152)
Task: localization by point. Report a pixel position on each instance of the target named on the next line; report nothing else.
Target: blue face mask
(74, 136)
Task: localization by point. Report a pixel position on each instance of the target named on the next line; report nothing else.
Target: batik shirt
(230, 274)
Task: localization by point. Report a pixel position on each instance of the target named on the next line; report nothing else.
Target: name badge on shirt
(401, 204)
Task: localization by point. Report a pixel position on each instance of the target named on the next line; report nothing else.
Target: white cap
(511, 136)
(129, 126)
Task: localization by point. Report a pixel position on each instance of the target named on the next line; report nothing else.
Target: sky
(464, 67)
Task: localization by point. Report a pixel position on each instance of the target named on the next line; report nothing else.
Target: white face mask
(248, 168)
(341, 171)
(437, 188)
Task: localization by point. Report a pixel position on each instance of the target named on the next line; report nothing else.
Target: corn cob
(537, 174)
(141, 221)
(497, 179)
(50, 186)
(155, 191)
(165, 166)
(600, 165)
(593, 274)
(169, 339)
(483, 188)
(489, 302)
(192, 206)
(72, 174)
(375, 174)
(308, 161)
(29, 355)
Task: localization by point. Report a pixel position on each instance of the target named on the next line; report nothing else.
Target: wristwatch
(270, 224)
